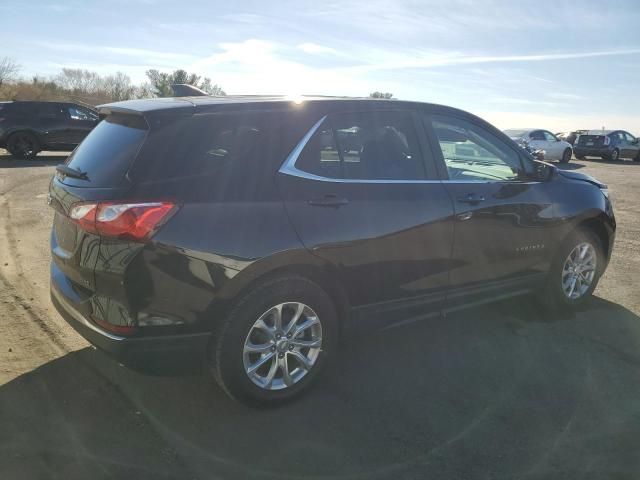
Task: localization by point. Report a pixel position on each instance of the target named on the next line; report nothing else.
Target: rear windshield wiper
(67, 171)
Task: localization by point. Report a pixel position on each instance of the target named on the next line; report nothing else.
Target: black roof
(317, 104)
(203, 103)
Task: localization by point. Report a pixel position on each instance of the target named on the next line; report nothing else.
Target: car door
(504, 220)
(80, 122)
(538, 141)
(362, 193)
(631, 146)
(52, 123)
(555, 148)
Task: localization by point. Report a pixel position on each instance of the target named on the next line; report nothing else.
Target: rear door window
(365, 146)
(108, 151)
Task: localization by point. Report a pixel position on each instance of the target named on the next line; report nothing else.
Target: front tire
(566, 156)
(275, 341)
(23, 145)
(575, 271)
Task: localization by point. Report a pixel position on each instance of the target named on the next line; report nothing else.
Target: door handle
(471, 198)
(328, 201)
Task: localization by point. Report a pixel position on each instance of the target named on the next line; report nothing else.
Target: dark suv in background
(607, 144)
(255, 232)
(27, 128)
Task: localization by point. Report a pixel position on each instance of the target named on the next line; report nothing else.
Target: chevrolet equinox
(254, 232)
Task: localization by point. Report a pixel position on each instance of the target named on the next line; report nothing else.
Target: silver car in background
(538, 139)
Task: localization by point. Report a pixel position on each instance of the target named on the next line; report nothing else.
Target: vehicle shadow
(499, 392)
(47, 159)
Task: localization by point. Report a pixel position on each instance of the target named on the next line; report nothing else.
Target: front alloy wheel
(579, 271)
(282, 346)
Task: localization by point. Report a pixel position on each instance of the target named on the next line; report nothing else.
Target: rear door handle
(471, 198)
(329, 201)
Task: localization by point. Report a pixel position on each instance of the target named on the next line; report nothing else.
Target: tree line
(77, 84)
(80, 85)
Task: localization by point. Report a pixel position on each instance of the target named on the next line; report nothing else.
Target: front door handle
(471, 198)
(328, 201)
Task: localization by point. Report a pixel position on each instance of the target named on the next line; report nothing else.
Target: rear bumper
(591, 151)
(135, 351)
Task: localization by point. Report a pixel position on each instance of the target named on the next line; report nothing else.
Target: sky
(557, 65)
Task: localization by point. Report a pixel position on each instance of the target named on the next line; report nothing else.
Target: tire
(614, 156)
(23, 145)
(228, 355)
(637, 157)
(557, 293)
(566, 156)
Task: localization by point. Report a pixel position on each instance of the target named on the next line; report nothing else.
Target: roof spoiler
(186, 90)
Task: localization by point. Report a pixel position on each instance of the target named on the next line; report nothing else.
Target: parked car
(570, 137)
(554, 149)
(27, 128)
(608, 145)
(241, 230)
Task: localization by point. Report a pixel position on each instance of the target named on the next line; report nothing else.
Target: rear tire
(566, 156)
(573, 277)
(252, 335)
(23, 145)
(614, 156)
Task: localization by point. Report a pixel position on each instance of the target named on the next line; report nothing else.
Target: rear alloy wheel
(575, 271)
(23, 145)
(275, 341)
(615, 155)
(282, 346)
(566, 156)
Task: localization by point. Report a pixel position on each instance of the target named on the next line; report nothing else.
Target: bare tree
(79, 80)
(118, 86)
(8, 70)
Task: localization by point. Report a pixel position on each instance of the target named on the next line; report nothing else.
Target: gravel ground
(502, 391)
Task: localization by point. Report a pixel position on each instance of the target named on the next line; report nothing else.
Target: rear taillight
(607, 140)
(128, 221)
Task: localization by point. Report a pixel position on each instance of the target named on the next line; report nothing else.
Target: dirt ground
(495, 392)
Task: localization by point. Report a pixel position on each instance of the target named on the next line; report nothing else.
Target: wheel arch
(301, 263)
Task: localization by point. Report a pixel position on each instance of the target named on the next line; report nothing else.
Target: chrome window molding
(289, 168)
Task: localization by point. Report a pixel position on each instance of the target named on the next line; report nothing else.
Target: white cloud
(314, 48)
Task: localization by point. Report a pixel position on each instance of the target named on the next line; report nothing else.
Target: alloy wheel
(579, 270)
(282, 346)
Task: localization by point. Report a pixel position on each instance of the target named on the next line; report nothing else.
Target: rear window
(108, 151)
(202, 144)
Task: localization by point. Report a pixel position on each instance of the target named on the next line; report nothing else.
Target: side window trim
(289, 165)
(427, 118)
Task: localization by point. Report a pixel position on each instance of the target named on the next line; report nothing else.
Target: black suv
(257, 231)
(27, 128)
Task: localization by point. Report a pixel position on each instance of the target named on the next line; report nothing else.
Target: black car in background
(607, 144)
(255, 232)
(27, 128)
(570, 137)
